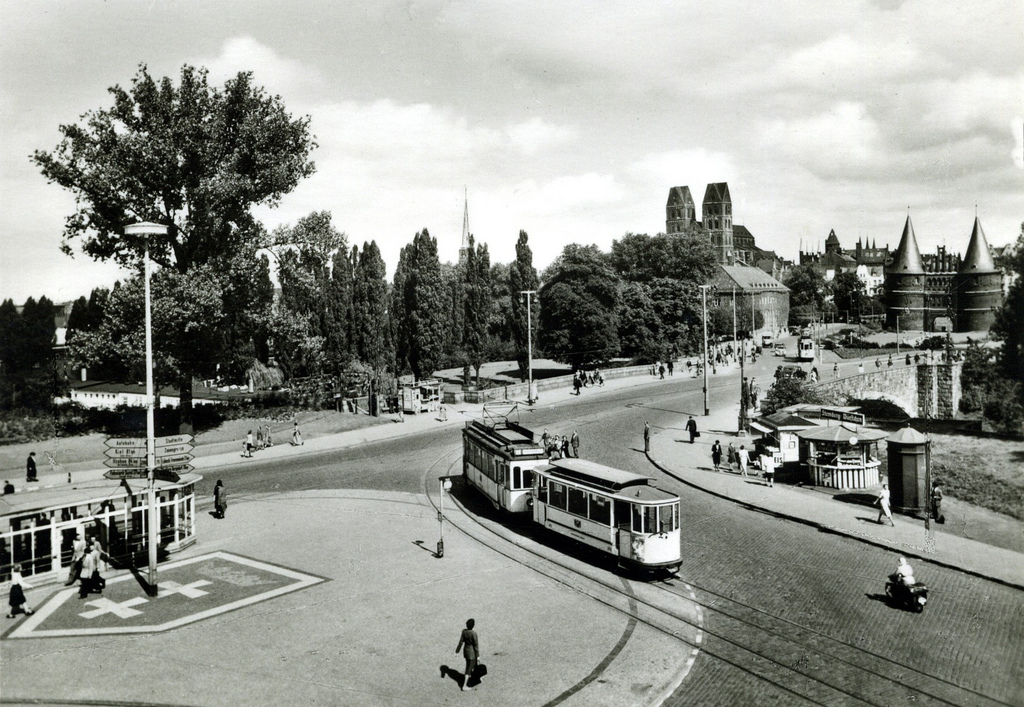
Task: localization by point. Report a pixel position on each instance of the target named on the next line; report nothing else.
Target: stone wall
(926, 390)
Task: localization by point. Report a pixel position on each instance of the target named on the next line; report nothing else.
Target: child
(17, 600)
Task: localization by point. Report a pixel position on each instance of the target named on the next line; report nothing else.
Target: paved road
(794, 615)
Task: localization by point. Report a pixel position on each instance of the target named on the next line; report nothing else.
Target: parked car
(783, 372)
(780, 349)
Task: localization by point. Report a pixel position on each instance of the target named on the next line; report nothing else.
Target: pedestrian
(469, 644)
(297, 433)
(883, 504)
(878, 363)
(743, 456)
(575, 442)
(835, 370)
(249, 446)
(768, 468)
(671, 367)
(259, 437)
(889, 364)
(908, 360)
(576, 384)
(860, 367)
(917, 359)
(30, 467)
(565, 447)
(732, 457)
(716, 454)
(8, 488)
(755, 390)
(266, 437)
(661, 370)
(691, 427)
(444, 413)
(545, 439)
(937, 503)
(90, 568)
(16, 596)
(647, 437)
(77, 557)
(220, 499)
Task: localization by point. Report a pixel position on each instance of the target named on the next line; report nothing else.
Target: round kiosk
(908, 464)
(841, 457)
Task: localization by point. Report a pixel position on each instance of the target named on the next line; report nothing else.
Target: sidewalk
(691, 464)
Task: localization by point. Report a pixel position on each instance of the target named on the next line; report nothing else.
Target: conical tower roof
(908, 256)
(978, 257)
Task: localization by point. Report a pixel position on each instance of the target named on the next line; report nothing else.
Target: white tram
(805, 348)
(615, 511)
(498, 459)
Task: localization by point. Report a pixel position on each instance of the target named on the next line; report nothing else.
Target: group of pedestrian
(561, 446)
(659, 368)
(86, 557)
(584, 379)
(263, 439)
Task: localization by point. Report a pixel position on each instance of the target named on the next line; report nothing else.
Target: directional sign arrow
(125, 442)
(172, 460)
(125, 463)
(174, 449)
(173, 439)
(125, 452)
(177, 469)
(126, 474)
(165, 475)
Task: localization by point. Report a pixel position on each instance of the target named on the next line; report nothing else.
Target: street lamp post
(529, 345)
(147, 230)
(704, 304)
(446, 485)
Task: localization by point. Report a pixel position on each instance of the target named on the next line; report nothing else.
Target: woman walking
(469, 644)
(883, 503)
(16, 598)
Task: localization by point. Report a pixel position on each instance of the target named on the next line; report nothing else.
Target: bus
(498, 458)
(617, 512)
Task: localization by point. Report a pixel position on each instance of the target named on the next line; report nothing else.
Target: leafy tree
(478, 304)
(579, 303)
(807, 292)
(639, 326)
(1009, 322)
(190, 156)
(847, 292)
(424, 295)
(500, 345)
(789, 391)
(688, 257)
(400, 312)
(26, 354)
(522, 277)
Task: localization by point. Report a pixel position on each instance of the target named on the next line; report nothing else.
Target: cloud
(279, 75)
(538, 134)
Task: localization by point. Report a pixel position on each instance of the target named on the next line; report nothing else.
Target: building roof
(978, 257)
(907, 435)
(746, 278)
(908, 256)
(841, 433)
(717, 192)
(679, 196)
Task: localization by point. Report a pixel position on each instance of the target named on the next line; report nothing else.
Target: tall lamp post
(529, 344)
(704, 304)
(446, 485)
(150, 229)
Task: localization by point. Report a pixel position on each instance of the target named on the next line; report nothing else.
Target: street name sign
(125, 463)
(843, 416)
(126, 474)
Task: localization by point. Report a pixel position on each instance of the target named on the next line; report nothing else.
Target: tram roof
(610, 478)
(91, 491)
(506, 432)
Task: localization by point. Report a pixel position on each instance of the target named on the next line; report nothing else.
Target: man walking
(469, 644)
(575, 442)
(30, 467)
(937, 503)
(883, 504)
(77, 557)
(768, 468)
(716, 454)
(691, 427)
(744, 458)
(647, 437)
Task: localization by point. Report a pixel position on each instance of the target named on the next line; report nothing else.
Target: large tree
(522, 278)
(579, 302)
(190, 156)
(807, 290)
(421, 306)
(1009, 322)
(371, 330)
(478, 304)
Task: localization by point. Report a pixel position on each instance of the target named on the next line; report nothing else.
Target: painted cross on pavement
(122, 609)
(190, 590)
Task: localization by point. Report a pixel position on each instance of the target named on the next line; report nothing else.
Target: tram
(805, 348)
(37, 528)
(617, 512)
(498, 459)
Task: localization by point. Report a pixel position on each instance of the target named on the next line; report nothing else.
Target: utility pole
(704, 303)
(529, 344)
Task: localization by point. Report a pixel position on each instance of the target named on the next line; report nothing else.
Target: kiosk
(840, 456)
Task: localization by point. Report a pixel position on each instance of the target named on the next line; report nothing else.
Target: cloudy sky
(570, 120)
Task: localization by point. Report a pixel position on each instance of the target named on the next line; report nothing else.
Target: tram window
(600, 510)
(527, 478)
(666, 518)
(638, 519)
(542, 489)
(517, 477)
(577, 502)
(650, 519)
(558, 496)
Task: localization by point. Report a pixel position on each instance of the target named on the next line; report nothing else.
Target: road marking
(121, 610)
(190, 590)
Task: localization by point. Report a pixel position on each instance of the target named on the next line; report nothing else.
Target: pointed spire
(465, 222)
(908, 256)
(978, 256)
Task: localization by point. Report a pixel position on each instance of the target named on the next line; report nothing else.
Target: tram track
(798, 661)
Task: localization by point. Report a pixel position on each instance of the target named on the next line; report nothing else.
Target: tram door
(623, 524)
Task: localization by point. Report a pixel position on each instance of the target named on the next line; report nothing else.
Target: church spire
(464, 248)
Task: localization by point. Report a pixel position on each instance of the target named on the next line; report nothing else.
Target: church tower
(464, 248)
(717, 219)
(978, 285)
(904, 284)
(679, 211)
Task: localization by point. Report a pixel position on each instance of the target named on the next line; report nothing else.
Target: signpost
(830, 414)
(131, 473)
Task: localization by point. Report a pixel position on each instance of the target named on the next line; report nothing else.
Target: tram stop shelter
(841, 456)
(421, 396)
